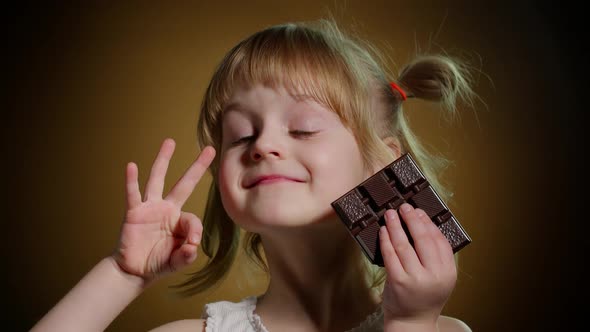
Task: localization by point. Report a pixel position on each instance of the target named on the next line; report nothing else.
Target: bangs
(299, 59)
(294, 58)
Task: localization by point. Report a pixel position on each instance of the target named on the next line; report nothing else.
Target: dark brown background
(91, 87)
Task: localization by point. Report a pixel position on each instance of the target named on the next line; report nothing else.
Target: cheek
(340, 167)
(224, 179)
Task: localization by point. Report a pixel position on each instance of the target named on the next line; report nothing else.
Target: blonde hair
(345, 74)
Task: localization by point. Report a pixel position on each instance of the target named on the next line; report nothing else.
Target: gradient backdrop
(91, 87)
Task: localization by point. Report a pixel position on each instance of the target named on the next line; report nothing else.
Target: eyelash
(297, 133)
(303, 133)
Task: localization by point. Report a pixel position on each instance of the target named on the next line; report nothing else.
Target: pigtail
(438, 78)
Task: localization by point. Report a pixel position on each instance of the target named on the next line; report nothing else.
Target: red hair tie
(401, 92)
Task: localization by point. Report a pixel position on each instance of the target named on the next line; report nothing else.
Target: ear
(394, 145)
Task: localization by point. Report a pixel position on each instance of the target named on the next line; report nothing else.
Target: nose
(266, 146)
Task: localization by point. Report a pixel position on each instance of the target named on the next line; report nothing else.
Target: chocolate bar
(362, 209)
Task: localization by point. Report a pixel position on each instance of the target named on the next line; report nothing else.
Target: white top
(226, 316)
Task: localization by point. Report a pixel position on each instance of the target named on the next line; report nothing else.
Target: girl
(295, 116)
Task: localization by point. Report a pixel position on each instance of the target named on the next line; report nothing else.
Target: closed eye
(242, 140)
(296, 133)
(302, 133)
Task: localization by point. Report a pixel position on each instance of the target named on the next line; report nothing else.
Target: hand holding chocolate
(362, 209)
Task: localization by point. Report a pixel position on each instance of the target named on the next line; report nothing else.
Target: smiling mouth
(271, 180)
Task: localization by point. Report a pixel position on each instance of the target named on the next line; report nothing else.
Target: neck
(316, 278)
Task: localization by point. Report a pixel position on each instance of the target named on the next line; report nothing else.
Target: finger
(444, 247)
(448, 268)
(187, 234)
(401, 244)
(420, 228)
(132, 186)
(185, 186)
(155, 183)
(391, 261)
(183, 256)
(189, 227)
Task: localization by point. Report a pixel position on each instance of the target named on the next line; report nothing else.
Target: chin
(260, 219)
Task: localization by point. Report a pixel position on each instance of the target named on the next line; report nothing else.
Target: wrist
(135, 280)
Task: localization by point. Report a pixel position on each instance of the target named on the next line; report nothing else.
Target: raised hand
(157, 237)
(420, 278)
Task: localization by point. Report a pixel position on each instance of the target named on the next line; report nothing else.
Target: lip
(268, 179)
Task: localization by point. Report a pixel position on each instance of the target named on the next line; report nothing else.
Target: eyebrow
(234, 106)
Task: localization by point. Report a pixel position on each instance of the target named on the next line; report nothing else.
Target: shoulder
(184, 325)
(450, 324)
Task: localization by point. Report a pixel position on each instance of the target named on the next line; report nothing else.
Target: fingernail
(406, 207)
(390, 214)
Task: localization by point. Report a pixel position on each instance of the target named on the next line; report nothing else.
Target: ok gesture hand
(157, 237)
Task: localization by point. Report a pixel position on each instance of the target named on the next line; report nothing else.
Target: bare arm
(157, 238)
(95, 301)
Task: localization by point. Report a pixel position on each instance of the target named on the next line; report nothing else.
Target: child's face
(283, 161)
